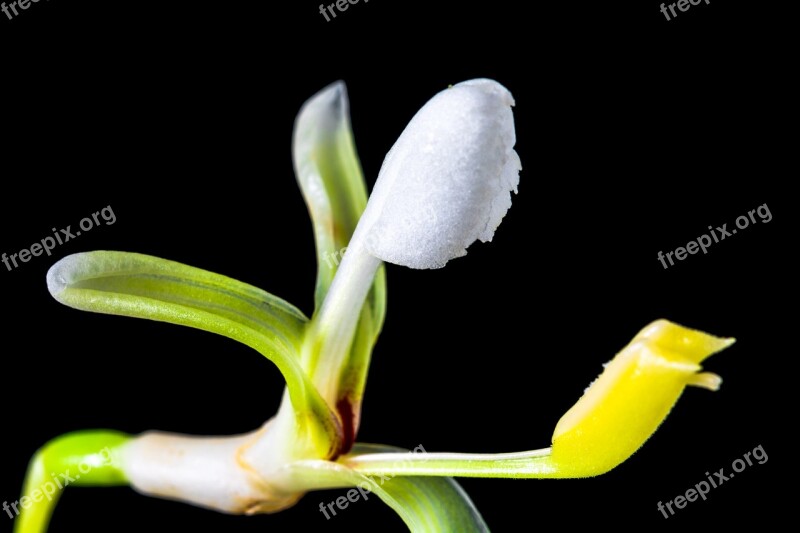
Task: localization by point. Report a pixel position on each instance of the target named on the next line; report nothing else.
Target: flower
(445, 184)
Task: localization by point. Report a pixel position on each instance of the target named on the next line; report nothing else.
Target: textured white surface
(204, 471)
(447, 180)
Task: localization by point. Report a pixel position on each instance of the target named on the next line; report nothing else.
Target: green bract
(310, 442)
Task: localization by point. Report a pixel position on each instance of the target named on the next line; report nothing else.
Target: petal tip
(705, 380)
(490, 86)
(58, 277)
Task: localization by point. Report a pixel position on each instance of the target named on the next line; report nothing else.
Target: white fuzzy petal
(447, 180)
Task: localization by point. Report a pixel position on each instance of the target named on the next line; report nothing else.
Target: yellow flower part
(630, 399)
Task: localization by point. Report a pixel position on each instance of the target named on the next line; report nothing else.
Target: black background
(635, 135)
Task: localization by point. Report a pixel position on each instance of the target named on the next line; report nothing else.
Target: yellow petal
(633, 395)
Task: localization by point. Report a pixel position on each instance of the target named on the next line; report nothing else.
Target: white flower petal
(447, 180)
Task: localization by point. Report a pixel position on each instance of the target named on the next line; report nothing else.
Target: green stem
(84, 458)
(334, 326)
(530, 464)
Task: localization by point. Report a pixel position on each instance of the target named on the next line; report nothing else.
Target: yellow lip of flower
(630, 399)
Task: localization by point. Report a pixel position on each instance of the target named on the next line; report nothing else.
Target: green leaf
(330, 177)
(83, 458)
(171, 282)
(142, 286)
(332, 183)
(426, 504)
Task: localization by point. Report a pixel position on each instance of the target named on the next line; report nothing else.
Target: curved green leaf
(330, 178)
(332, 183)
(426, 504)
(142, 286)
(171, 282)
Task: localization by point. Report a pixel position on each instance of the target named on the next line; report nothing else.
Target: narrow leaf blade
(425, 504)
(141, 286)
(330, 178)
